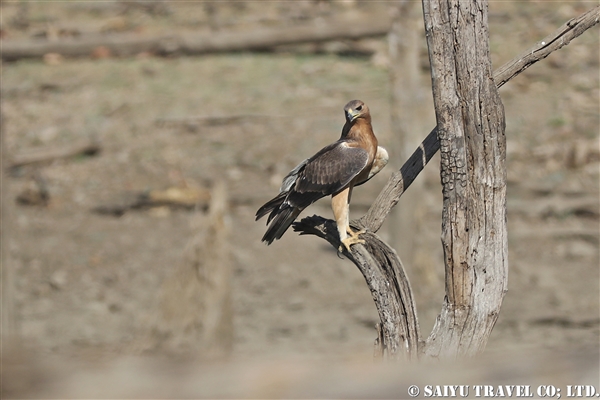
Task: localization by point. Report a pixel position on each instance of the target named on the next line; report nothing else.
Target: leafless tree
(471, 140)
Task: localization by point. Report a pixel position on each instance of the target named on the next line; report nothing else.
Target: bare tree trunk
(470, 118)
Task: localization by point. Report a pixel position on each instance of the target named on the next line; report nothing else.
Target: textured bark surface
(470, 119)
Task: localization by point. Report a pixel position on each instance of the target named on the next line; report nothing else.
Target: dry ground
(87, 286)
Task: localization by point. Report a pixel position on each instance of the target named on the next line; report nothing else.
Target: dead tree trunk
(470, 124)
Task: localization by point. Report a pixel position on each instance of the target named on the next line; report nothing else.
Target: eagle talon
(353, 239)
(355, 234)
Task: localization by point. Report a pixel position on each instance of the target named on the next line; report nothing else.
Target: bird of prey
(334, 170)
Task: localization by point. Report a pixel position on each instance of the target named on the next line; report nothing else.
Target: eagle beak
(350, 115)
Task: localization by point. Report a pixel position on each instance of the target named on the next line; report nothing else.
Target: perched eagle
(334, 170)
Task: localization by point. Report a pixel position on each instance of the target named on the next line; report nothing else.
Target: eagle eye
(358, 108)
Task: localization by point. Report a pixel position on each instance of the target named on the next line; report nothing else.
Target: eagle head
(355, 109)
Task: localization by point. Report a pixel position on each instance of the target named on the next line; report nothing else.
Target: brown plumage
(334, 170)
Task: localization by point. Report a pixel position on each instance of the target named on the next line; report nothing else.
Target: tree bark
(470, 118)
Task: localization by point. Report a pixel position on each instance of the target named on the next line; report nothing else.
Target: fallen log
(200, 43)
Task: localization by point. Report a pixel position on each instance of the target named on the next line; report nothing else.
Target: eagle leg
(340, 206)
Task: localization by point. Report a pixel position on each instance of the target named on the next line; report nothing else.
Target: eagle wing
(325, 173)
(328, 172)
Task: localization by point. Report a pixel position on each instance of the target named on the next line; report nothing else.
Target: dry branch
(559, 38)
(399, 182)
(36, 156)
(194, 44)
(402, 179)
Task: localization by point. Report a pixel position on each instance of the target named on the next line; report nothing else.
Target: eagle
(334, 170)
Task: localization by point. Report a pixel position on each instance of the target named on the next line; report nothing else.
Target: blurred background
(132, 172)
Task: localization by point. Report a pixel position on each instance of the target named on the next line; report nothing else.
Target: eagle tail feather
(281, 222)
(271, 206)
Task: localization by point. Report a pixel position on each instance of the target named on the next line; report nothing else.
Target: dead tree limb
(401, 180)
(195, 44)
(555, 41)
